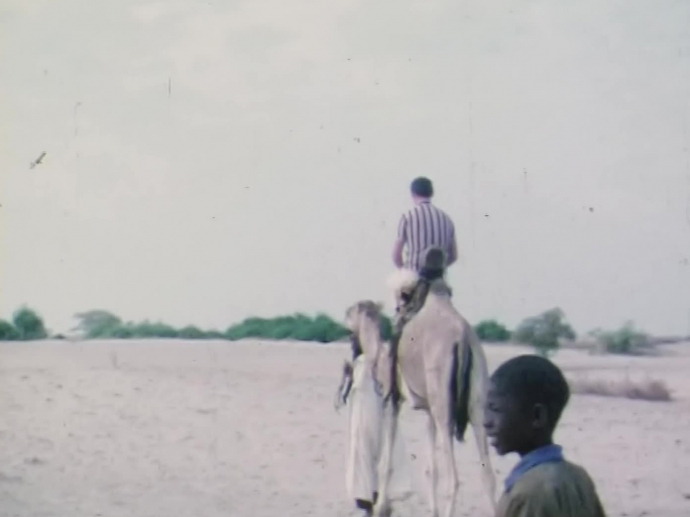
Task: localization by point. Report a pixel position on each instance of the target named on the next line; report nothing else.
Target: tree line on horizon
(545, 332)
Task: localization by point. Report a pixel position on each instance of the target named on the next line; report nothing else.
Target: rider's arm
(452, 249)
(452, 253)
(398, 253)
(400, 243)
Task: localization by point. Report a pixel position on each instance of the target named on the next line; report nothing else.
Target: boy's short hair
(531, 379)
(422, 187)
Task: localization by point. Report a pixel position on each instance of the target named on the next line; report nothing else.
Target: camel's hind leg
(440, 412)
(488, 475)
(382, 507)
(451, 473)
(433, 470)
(480, 381)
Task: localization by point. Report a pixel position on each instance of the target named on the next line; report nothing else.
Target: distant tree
(625, 340)
(98, 324)
(8, 332)
(492, 331)
(544, 331)
(29, 324)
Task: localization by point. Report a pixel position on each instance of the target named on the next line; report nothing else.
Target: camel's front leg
(382, 507)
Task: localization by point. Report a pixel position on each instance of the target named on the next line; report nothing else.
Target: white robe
(366, 435)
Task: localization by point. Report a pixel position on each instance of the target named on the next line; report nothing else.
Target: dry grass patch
(651, 390)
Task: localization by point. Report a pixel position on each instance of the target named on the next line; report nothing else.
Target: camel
(442, 370)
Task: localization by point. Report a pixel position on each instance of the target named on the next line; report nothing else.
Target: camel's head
(356, 314)
(402, 282)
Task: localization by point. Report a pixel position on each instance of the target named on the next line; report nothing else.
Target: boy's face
(510, 427)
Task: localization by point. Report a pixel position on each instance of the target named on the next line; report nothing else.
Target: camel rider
(422, 227)
(428, 235)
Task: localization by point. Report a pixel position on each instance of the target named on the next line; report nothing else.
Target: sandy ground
(246, 429)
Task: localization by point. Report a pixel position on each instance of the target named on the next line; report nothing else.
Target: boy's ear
(540, 416)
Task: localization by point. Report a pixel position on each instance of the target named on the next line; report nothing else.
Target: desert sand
(173, 428)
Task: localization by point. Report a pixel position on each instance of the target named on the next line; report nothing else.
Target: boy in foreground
(526, 398)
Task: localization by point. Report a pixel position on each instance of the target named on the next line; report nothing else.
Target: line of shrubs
(321, 328)
(27, 325)
(544, 332)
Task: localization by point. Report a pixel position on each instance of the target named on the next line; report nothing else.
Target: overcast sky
(207, 161)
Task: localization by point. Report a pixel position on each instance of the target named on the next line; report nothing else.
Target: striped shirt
(423, 226)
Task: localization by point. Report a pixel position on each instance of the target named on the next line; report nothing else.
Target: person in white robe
(366, 413)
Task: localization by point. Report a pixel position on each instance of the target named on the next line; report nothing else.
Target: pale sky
(207, 161)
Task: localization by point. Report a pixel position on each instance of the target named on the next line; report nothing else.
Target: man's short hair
(422, 187)
(531, 379)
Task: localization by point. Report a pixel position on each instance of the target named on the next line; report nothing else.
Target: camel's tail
(460, 389)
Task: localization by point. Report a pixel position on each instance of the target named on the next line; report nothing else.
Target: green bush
(8, 332)
(191, 332)
(492, 331)
(29, 325)
(299, 327)
(385, 328)
(250, 327)
(146, 329)
(326, 330)
(625, 340)
(544, 331)
(121, 332)
(98, 324)
(215, 334)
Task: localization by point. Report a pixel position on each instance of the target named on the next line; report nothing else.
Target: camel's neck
(375, 351)
(370, 339)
